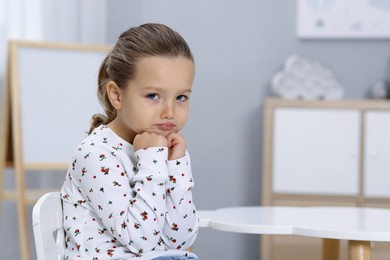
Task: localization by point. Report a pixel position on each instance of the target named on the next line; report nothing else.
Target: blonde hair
(120, 64)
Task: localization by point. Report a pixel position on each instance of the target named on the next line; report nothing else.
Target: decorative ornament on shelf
(302, 78)
(381, 90)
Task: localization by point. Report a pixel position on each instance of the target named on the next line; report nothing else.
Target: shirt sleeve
(181, 223)
(134, 214)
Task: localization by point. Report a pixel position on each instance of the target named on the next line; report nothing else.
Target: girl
(127, 192)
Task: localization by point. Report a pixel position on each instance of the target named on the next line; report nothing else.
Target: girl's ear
(114, 94)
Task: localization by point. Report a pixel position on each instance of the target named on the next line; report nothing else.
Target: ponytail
(103, 79)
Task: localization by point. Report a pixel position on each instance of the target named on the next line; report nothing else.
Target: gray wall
(238, 46)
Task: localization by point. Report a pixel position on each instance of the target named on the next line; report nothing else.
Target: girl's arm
(133, 215)
(181, 223)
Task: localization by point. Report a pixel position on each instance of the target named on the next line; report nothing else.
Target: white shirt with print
(121, 204)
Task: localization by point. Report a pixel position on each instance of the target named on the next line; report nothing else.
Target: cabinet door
(377, 154)
(316, 151)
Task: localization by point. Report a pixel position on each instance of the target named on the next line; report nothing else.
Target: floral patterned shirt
(121, 204)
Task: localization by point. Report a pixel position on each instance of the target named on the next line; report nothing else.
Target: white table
(359, 226)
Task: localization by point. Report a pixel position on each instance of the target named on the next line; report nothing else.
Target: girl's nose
(168, 111)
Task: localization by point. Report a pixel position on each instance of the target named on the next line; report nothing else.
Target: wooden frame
(11, 143)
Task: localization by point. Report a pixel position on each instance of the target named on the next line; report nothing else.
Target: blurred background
(238, 47)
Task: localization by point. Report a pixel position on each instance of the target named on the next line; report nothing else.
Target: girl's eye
(152, 96)
(181, 98)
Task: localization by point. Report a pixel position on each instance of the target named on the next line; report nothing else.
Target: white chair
(48, 227)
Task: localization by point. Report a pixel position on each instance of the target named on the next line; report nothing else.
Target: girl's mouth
(165, 126)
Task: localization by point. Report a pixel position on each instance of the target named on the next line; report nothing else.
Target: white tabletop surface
(350, 223)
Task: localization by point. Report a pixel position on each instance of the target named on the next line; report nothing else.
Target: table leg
(330, 249)
(359, 250)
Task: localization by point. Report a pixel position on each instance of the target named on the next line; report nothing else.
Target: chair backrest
(48, 227)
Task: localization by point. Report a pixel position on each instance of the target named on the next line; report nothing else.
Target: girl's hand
(176, 146)
(146, 140)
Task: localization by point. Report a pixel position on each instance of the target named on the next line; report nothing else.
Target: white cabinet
(315, 151)
(377, 154)
(334, 153)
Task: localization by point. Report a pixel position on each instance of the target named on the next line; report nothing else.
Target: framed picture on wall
(343, 19)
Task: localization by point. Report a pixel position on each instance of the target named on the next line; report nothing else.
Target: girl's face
(156, 100)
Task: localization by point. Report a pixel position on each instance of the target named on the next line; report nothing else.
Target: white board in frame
(54, 92)
(353, 19)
